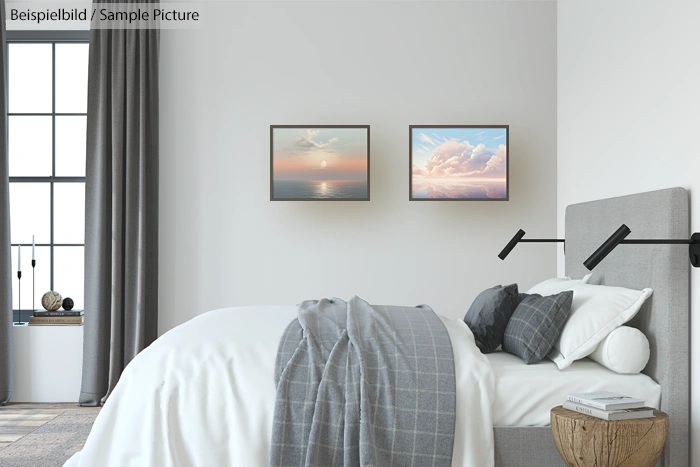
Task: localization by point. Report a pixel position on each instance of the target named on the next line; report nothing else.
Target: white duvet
(203, 395)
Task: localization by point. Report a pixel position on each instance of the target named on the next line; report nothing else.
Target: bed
(203, 393)
(664, 318)
(526, 393)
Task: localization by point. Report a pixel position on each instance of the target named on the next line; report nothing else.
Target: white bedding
(203, 395)
(526, 393)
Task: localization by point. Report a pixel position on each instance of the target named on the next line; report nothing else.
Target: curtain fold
(6, 334)
(121, 206)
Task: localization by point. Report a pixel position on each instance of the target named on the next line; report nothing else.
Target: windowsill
(26, 325)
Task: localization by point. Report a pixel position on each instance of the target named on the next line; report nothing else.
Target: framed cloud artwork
(319, 163)
(458, 163)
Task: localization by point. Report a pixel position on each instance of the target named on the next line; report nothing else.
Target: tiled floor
(28, 434)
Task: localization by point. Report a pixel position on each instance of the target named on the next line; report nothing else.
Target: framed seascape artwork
(458, 162)
(319, 163)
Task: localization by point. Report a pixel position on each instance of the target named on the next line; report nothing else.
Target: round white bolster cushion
(625, 351)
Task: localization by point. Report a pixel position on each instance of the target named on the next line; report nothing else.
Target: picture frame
(319, 162)
(444, 165)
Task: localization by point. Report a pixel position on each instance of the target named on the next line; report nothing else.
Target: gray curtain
(121, 206)
(6, 334)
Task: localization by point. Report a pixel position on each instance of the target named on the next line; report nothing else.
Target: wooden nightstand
(585, 441)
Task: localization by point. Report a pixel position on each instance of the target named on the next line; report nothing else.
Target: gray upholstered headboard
(664, 318)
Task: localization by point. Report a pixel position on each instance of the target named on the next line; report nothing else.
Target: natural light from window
(47, 106)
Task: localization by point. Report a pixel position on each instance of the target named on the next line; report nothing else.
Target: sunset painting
(319, 163)
(458, 163)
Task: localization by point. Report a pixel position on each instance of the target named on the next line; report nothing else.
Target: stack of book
(57, 318)
(608, 406)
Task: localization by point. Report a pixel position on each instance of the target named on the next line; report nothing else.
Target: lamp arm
(542, 240)
(644, 241)
(518, 238)
(618, 238)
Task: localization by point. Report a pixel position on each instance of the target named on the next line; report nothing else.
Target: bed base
(531, 446)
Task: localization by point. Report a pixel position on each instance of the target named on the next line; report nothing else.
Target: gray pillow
(489, 315)
(536, 325)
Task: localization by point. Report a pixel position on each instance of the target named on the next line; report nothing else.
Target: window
(46, 131)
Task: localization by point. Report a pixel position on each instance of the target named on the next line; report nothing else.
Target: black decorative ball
(68, 303)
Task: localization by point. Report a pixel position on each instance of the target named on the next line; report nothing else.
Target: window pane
(69, 212)
(70, 146)
(30, 212)
(68, 273)
(29, 140)
(29, 78)
(71, 78)
(43, 276)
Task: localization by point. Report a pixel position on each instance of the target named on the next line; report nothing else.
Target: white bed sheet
(203, 395)
(526, 393)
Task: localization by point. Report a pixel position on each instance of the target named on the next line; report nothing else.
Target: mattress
(526, 393)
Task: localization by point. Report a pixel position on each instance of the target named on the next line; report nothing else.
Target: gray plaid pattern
(536, 324)
(363, 385)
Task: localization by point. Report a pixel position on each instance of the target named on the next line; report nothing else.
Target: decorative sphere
(68, 303)
(51, 301)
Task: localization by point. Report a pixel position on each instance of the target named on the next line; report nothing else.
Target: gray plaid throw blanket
(363, 385)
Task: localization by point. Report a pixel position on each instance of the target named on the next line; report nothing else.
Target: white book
(606, 400)
(613, 415)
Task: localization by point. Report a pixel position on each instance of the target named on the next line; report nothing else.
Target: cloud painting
(319, 163)
(459, 163)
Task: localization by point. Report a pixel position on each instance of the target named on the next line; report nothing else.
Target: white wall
(629, 114)
(386, 64)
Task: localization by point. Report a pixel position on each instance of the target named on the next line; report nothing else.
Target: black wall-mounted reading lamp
(518, 238)
(609, 245)
(619, 237)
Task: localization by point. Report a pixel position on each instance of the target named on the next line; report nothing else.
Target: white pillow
(625, 351)
(557, 285)
(596, 311)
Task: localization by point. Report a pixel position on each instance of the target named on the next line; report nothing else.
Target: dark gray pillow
(489, 315)
(536, 325)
